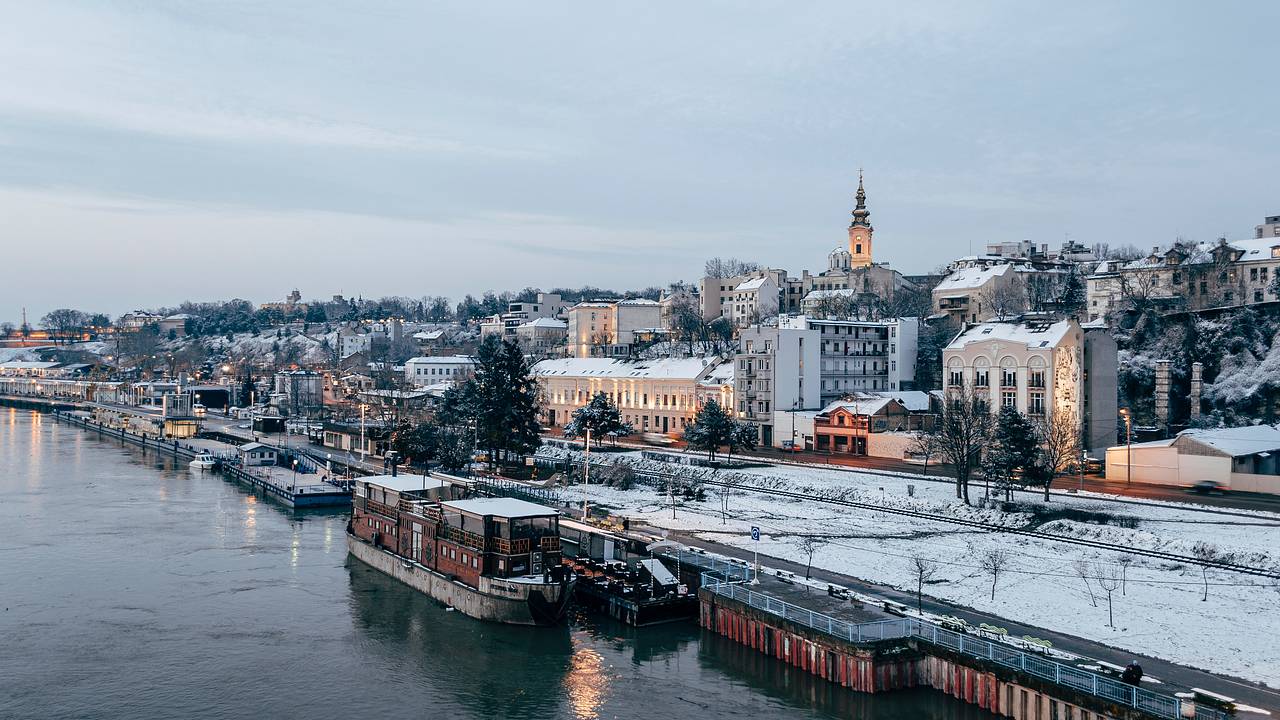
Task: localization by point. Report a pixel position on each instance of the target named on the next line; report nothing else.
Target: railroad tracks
(975, 524)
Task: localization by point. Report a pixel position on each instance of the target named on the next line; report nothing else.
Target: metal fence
(1101, 686)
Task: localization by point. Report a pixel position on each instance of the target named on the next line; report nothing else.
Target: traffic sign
(755, 533)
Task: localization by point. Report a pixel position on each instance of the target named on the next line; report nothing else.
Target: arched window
(1036, 372)
(1008, 372)
(981, 372)
(955, 372)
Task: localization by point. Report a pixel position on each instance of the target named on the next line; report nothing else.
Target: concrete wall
(1165, 466)
(889, 445)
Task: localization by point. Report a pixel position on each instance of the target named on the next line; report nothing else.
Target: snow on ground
(1158, 612)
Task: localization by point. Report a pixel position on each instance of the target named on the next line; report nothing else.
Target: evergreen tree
(711, 428)
(1073, 294)
(499, 402)
(1014, 449)
(742, 436)
(247, 391)
(601, 417)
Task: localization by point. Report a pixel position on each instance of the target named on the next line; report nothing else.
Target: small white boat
(204, 461)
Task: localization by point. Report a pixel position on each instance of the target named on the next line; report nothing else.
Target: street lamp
(364, 453)
(1128, 445)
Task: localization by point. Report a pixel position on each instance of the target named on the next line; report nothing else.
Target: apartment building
(776, 371)
(608, 328)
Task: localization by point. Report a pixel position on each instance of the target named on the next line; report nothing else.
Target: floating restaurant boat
(494, 559)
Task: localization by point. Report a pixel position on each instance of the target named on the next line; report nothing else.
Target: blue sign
(755, 533)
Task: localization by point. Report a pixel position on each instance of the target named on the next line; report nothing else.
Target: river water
(132, 587)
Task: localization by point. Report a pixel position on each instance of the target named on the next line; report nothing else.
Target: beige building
(608, 328)
(1187, 276)
(544, 337)
(751, 301)
(1033, 368)
(653, 395)
(716, 295)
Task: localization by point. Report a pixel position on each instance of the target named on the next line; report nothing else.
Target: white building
(751, 301)
(861, 355)
(653, 395)
(520, 312)
(435, 369)
(1242, 459)
(716, 294)
(777, 371)
(544, 337)
(1270, 227)
(608, 328)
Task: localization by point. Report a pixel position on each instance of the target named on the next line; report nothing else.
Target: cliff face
(1241, 358)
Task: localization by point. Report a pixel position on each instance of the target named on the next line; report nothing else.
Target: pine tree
(601, 417)
(500, 400)
(247, 391)
(1013, 449)
(711, 428)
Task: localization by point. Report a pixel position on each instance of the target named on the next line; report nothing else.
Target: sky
(157, 152)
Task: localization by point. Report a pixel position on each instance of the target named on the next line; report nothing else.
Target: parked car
(1207, 487)
(791, 447)
(1094, 466)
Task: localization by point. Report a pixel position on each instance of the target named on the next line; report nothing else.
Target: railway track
(976, 524)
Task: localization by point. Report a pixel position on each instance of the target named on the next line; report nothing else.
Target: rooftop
(500, 507)
(1033, 336)
(672, 368)
(405, 483)
(972, 278)
(1237, 441)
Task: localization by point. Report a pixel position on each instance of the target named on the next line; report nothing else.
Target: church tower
(860, 230)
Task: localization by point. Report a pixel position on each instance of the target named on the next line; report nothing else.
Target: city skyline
(196, 153)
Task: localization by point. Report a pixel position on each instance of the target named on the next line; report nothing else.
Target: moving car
(790, 446)
(654, 438)
(1207, 487)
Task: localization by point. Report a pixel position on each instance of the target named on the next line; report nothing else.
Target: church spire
(861, 215)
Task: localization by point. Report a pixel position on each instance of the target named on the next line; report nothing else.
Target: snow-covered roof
(912, 400)
(546, 323)
(501, 507)
(753, 284)
(441, 360)
(820, 294)
(428, 335)
(1034, 336)
(971, 278)
(1256, 248)
(26, 365)
(638, 301)
(861, 406)
(1237, 441)
(667, 368)
(722, 374)
(248, 447)
(405, 483)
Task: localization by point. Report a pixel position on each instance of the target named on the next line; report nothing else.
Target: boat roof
(500, 507)
(405, 483)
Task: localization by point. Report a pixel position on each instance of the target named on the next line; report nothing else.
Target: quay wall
(901, 663)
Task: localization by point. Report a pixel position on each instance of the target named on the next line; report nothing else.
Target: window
(1008, 398)
(1257, 296)
(1177, 278)
(1204, 287)
(1008, 377)
(1253, 274)
(1035, 404)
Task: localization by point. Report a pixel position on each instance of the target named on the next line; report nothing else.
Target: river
(132, 587)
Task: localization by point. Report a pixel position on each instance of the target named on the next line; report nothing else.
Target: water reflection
(586, 682)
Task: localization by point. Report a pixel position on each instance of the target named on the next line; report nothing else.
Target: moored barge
(494, 559)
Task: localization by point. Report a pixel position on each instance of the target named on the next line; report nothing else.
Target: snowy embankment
(1158, 605)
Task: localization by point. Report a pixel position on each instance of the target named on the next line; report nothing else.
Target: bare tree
(1207, 554)
(64, 324)
(1109, 579)
(994, 562)
(924, 570)
(718, 267)
(1081, 567)
(1059, 437)
(963, 433)
(1004, 300)
(1124, 561)
(926, 445)
(809, 545)
(685, 320)
(600, 341)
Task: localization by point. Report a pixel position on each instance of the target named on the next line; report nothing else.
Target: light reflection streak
(586, 682)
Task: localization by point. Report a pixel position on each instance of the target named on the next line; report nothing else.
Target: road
(1169, 673)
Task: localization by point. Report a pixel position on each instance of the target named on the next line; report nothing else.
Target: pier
(279, 483)
(874, 647)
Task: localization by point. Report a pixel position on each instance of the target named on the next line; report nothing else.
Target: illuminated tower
(860, 230)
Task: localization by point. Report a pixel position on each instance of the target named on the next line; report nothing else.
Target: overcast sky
(155, 152)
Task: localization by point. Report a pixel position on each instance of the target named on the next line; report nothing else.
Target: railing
(1091, 683)
(462, 537)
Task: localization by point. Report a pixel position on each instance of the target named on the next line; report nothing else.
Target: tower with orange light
(860, 230)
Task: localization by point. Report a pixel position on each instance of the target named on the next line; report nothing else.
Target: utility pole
(586, 477)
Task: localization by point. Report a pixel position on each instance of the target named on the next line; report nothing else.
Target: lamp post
(1128, 445)
(586, 477)
(364, 453)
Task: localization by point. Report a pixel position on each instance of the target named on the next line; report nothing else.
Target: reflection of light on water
(586, 682)
(250, 518)
(328, 537)
(293, 548)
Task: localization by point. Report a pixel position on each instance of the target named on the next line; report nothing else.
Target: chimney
(1162, 394)
(1197, 385)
